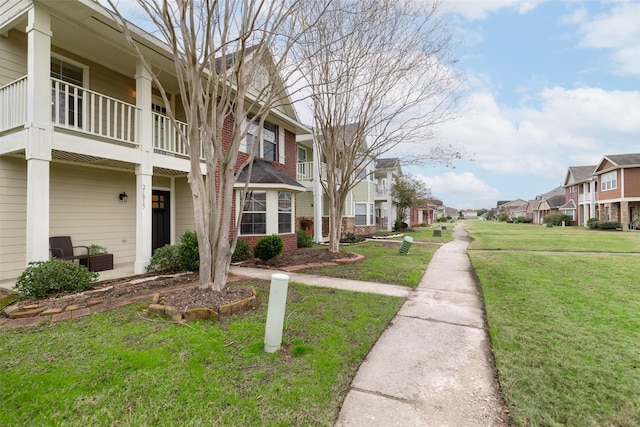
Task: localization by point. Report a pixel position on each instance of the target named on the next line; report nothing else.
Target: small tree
(408, 192)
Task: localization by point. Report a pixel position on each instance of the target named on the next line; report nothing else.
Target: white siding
(13, 51)
(13, 213)
(184, 208)
(84, 204)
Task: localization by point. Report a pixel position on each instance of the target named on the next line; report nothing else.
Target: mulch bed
(180, 291)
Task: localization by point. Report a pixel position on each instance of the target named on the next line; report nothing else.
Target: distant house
(547, 203)
(581, 188)
(427, 213)
(512, 209)
(618, 182)
(386, 172)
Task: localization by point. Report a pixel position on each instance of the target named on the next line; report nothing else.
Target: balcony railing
(83, 110)
(304, 171)
(13, 104)
(166, 138)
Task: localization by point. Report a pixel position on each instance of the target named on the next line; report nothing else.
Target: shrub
(242, 252)
(351, 238)
(522, 220)
(400, 225)
(165, 260)
(609, 225)
(188, 251)
(304, 239)
(268, 247)
(557, 219)
(43, 278)
(593, 223)
(97, 250)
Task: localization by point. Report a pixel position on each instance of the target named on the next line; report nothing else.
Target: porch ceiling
(65, 156)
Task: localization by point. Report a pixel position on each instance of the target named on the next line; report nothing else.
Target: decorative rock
(30, 307)
(21, 314)
(156, 298)
(72, 307)
(10, 309)
(51, 311)
(199, 313)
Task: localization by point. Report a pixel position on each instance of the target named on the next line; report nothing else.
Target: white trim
(85, 68)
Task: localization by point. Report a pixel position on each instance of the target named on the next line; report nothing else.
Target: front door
(161, 219)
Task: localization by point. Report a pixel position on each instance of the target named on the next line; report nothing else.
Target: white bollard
(275, 312)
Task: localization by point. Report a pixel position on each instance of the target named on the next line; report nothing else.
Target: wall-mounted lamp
(123, 197)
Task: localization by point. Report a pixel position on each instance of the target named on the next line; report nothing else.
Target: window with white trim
(609, 180)
(285, 212)
(254, 213)
(266, 148)
(364, 213)
(66, 95)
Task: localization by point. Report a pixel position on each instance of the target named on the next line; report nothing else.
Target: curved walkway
(433, 365)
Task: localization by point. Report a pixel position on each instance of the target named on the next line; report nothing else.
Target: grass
(564, 326)
(425, 234)
(491, 235)
(122, 368)
(383, 264)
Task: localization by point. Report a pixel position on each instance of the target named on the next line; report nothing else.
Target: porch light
(123, 197)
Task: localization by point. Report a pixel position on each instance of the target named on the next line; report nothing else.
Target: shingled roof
(266, 173)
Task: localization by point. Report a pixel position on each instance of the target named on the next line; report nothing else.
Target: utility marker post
(275, 312)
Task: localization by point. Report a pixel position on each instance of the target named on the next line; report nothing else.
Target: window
(609, 181)
(254, 213)
(361, 213)
(268, 147)
(570, 213)
(284, 212)
(66, 99)
(159, 125)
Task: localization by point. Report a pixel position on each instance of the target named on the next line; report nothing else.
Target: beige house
(86, 150)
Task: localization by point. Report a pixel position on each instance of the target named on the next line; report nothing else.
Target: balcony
(93, 114)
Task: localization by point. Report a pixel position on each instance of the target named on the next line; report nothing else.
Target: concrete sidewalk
(433, 365)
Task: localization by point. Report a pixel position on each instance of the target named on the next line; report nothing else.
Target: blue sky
(548, 85)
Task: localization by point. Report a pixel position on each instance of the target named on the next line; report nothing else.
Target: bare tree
(219, 49)
(379, 74)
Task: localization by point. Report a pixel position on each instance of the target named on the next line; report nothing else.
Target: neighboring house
(581, 187)
(547, 203)
(469, 214)
(618, 178)
(86, 150)
(386, 173)
(427, 213)
(512, 209)
(313, 205)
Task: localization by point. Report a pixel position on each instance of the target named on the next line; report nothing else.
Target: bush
(188, 251)
(593, 223)
(43, 278)
(521, 220)
(609, 225)
(304, 239)
(165, 260)
(242, 252)
(557, 219)
(351, 238)
(502, 217)
(268, 247)
(400, 225)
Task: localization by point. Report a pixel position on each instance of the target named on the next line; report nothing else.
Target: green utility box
(406, 244)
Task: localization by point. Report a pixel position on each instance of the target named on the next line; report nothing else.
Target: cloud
(561, 127)
(618, 32)
(461, 191)
(479, 10)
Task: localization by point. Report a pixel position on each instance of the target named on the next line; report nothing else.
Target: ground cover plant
(564, 325)
(383, 263)
(528, 237)
(123, 368)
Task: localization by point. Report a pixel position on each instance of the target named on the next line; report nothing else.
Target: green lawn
(504, 236)
(565, 327)
(383, 263)
(425, 234)
(121, 368)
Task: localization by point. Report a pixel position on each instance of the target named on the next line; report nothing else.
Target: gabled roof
(266, 175)
(616, 161)
(391, 163)
(556, 201)
(578, 174)
(535, 204)
(558, 191)
(569, 205)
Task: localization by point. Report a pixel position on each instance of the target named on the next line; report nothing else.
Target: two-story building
(87, 151)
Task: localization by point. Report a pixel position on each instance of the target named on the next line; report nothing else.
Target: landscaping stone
(199, 314)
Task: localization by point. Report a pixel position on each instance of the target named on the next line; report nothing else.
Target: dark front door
(161, 219)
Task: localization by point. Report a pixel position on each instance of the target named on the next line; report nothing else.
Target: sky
(547, 85)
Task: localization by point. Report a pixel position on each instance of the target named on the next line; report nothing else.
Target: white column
(144, 171)
(390, 210)
(318, 194)
(592, 188)
(39, 130)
